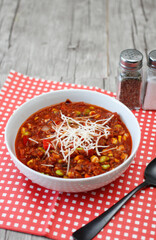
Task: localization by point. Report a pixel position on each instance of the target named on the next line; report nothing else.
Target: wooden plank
(89, 43)
(119, 13)
(61, 43)
(12, 235)
(149, 33)
(131, 25)
(3, 234)
(8, 11)
(39, 39)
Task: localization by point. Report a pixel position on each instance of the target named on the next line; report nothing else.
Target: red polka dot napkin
(27, 207)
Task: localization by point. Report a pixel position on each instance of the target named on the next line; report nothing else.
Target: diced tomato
(57, 122)
(25, 139)
(45, 144)
(21, 152)
(87, 175)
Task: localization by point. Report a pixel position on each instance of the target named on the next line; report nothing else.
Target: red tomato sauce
(73, 140)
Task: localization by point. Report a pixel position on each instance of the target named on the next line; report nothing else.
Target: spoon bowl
(150, 173)
(91, 229)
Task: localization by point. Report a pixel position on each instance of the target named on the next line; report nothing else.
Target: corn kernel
(30, 163)
(124, 156)
(92, 113)
(70, 174)
(116, 160)
(94, 159)
(97, 116)
(29, 125)
(24, 132)
(119, 138)
(78, 157)
(120, 148)
(80, 160)
(118, 126)
(36, 118)
(114, 140)
(125, 136)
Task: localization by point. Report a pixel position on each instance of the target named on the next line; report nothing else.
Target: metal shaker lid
(131, 59)
(152, 59)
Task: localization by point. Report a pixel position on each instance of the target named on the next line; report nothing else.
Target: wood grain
(76, 41)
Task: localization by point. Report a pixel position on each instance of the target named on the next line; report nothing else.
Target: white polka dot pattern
(29, 208)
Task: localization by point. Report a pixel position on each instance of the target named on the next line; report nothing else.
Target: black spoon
(91, 229)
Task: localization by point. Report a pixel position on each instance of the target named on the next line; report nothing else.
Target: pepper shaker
(130, 78)
(150, 89)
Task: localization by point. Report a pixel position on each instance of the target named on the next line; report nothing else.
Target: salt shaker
(150, 86)
(130, 78)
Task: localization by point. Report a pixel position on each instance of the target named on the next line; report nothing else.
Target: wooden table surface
(76, 41)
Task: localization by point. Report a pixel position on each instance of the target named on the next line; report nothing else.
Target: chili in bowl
(72, 140)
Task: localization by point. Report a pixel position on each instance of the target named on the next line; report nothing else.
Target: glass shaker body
(130, 78)
(150, 89)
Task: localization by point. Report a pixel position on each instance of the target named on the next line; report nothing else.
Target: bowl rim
(133, 152)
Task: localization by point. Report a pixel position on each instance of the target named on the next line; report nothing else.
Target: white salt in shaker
(150, 88)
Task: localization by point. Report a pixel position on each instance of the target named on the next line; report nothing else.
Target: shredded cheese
(47, 165)
(47, 151)
(73, 133)
(33, 140)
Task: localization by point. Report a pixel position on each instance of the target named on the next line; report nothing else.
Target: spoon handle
(90, 230)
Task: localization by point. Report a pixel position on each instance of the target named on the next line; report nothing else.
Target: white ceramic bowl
(47, 99)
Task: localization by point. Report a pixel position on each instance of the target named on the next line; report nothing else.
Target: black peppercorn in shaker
(130, 78)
